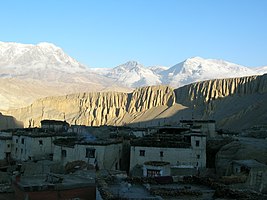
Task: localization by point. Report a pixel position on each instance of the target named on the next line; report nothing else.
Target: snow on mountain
(157, 69)
(199, 69)
(28, 72)
(50, 64)
(134, 74)
(41, 56)
(261, 70)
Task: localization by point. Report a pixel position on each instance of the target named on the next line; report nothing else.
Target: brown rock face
(206, 91)
(96, 109)
(235, 103)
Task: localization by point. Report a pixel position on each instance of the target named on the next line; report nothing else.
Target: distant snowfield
(28, 72)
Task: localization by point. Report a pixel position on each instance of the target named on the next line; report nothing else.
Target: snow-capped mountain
(134, 74)
(31, 71)
(28, 72)
(261, 70)
(41, 56)
(199, 69)
(157, 69)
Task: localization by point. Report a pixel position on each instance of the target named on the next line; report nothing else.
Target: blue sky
(102, 33)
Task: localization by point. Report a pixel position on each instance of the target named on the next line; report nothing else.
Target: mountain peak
(195, 58)
(42, 55)
(131, 64)
(47, 45)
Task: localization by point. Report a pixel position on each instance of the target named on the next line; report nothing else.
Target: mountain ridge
(36, 71)
(234, 103)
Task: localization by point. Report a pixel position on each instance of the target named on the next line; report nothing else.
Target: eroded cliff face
(94, 109)
(234, 103)
(206, 91)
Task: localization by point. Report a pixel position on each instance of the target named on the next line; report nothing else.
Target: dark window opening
(40, 142)
(198, 156)
(90, 153)
(116, 166)
(22, 140)
(142, 153)
(161, 154)
(197, 143)
(63, 153)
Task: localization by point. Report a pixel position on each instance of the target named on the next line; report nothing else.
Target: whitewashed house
(103, 154)
(34, 144)
(184, 152)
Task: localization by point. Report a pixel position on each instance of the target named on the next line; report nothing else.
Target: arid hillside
(235, 103)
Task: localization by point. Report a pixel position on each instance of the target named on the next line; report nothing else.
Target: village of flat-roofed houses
(63, 161)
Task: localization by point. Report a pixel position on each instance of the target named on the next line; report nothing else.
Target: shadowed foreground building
(56, 186)
(254, 172)
(171, 151)
(5, 146)
(34, 144)
(104, 154)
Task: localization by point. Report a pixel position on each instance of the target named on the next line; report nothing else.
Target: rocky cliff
(97, 108)
(235, 103)
(207, 91)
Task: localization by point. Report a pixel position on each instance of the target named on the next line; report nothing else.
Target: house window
(142, 153)
(90, 153)
(17, 140)
(21, 151)
(22, 140)
(197, 143)
(153, 173)
(198, 156)
(40, 142)
(63, 153)
(8, 145)
(161, 154)
(16, 150)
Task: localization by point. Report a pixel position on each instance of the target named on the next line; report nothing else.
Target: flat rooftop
(39, 132)
(197, 121)
(56, 181)
(71, 142)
